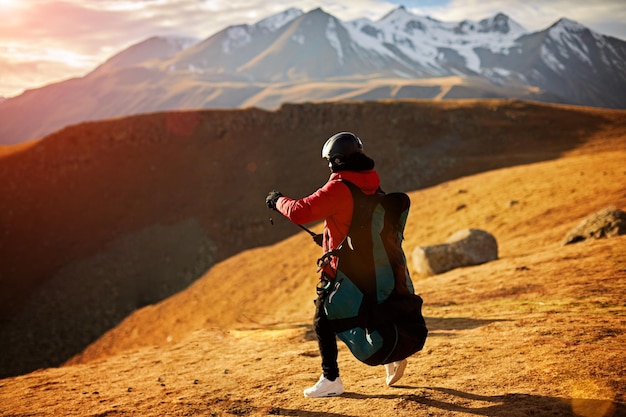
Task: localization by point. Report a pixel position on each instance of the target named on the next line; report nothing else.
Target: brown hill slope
(102, 218)
(552, 198)
(538, 332)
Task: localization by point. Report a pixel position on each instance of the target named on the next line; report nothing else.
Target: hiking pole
(299, 225)
(318, 239)
(315, 236)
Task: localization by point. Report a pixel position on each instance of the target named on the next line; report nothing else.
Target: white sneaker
(325, 388)
(395, 371)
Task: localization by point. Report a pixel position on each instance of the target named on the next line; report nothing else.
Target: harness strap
(327, 257)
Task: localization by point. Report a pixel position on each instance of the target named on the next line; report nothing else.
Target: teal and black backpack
(371, 303)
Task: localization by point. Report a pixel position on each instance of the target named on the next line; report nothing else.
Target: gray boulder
(464, 248)
(607, 222)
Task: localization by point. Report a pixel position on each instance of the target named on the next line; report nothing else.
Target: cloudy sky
(44, 41)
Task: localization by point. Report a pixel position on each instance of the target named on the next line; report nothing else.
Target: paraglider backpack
(371, 302)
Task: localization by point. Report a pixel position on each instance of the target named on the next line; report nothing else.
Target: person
(333, 202)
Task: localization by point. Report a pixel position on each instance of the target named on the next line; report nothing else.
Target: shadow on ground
(512, 404)
(442, 325)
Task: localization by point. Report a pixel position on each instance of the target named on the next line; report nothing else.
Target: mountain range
(295, 56)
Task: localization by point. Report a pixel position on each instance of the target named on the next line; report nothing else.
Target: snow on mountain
(580, 64)
(226, 50)
(295, 56)
(241, 35)
(500, 23)
(287, 47)
(313, 46)
(277, 21)
(568, 43)
(565, 35)
(431, 43)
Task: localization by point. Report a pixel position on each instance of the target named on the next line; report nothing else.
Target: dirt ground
(539, 332)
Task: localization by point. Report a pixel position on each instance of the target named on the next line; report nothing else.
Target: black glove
(271, 199)
(319, 239)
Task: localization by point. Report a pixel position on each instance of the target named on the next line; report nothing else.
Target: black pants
(326, 340)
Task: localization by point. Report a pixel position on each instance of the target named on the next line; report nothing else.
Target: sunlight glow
(121, 6)
(7, 4)
(18, 53)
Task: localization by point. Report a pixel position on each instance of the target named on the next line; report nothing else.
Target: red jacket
(333, 202)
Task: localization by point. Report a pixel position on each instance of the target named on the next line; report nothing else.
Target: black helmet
(340, 146)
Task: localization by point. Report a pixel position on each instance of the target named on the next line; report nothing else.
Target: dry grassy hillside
(538, 332)
(104, 218)
(259, 286)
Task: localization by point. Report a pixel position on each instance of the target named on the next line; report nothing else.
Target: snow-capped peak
(240, 35)
(569, 25)
(403, 20)
(277, 21)
(568, 45)
(398, 13)
(421, 39)
(501, 23)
